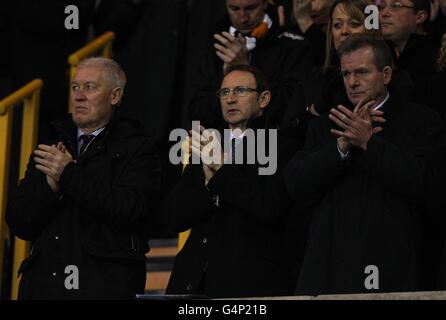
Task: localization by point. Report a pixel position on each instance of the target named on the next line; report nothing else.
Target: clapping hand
(52, 160)
(357, 125)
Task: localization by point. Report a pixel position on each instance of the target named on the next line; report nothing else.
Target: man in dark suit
(240, 234)
(87, 198)
(364, 173)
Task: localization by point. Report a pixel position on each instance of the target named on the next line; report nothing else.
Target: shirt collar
(382, 103)
(94, 133)
(233, 136)
(251, 41)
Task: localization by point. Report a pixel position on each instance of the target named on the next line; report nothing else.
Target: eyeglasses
(396, 6)
(238, 91)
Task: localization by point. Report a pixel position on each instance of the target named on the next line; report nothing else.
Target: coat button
(189, 287)
(205, 240)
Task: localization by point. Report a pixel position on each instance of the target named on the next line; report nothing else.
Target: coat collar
(392, 109)
(261, 122)
(112, 139)
(118, 127)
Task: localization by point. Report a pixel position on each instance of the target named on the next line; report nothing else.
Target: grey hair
(381, 52)
(114, 74)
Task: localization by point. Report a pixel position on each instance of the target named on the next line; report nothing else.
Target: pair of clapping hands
(357, 125)
(52, 160)
(232, 50)
(206, 146)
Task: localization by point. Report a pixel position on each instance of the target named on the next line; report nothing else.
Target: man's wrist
(343, 148)
(344, 151)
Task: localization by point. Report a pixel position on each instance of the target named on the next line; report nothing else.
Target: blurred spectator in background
(403, 24)
(437, 26)
(311, 19)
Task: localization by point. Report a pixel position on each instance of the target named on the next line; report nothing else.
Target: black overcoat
(99, 222)
(366, 208)
(240, 245)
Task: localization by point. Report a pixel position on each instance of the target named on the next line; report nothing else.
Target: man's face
(92, 98)
(397, 24)
(362, 79)
(237, 111)
(246, 15)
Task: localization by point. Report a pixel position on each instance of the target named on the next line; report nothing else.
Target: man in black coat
(403, 24)
(87, 199)
(241, 238)
(363, 170)
(250, 34)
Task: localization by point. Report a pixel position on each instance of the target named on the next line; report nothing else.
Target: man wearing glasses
(403, 25)
(249, 34)
(239, 219)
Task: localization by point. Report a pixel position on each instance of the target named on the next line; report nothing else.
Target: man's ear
(264, 98)
(387, 72)
(116, 96)
(421, 17)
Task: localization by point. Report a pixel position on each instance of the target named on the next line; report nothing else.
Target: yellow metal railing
(182, 237)
(101, 45)
(29, 95)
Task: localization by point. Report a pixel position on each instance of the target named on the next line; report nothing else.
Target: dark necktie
(84, 140)
(234, 143)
